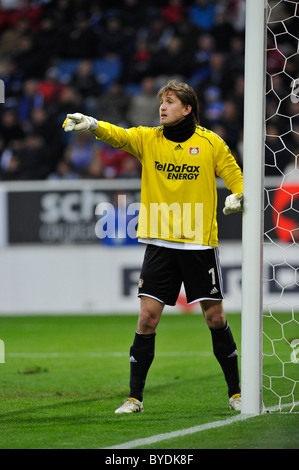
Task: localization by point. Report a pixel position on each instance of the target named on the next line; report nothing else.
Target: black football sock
(225, 351)
(141, 356)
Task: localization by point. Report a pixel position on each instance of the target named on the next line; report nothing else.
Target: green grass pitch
(63, 377)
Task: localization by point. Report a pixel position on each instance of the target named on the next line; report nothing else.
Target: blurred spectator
(140, 64)
(11, 128)
(42, 124)
(84, 80)
(62, 12)
(29, 159)
(133, 16)
(22, 10)
(174, 60)
(203, 13)
(186, 31)
(10, 162)
(86, 84)
(233, 122)
(237, 94)
(50, 88)
(69, 99)
(30, 59)
(48, 39)
(205, 48)
(111, 160)
(112, 40)
(63, 171)
(30, 99)
(81, 153)
(235, 63)
(36, 158)
(113, 105)
(214, 106)
(223, 30)
(130, 167)
(69, 102)
(158, 34)
(13, 83)
(9, 41)
(236, 11)
(143, 109)
(216, 74)
(79, 41)
(173, 13)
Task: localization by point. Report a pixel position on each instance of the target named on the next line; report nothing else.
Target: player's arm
(228, 169)
(127, 139)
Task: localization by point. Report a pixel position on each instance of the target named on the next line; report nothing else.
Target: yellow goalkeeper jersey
(178, 182)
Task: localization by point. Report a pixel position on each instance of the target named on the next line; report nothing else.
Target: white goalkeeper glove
(233, 203)
(79, 122)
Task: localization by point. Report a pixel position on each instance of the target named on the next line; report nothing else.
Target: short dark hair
(185, 94)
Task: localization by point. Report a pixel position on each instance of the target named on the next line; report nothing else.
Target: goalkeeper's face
(172, 110)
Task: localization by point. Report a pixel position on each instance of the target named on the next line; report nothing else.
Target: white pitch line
(184, 432)
(180, 433)
(50, 355)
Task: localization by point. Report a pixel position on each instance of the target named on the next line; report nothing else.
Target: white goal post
(253, 168)
(270, 255)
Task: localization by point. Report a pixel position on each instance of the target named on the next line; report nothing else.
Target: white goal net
(281, 209)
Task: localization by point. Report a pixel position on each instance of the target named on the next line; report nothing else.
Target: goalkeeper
(180, 161)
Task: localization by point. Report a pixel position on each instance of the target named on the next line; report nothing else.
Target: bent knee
(147, 322)
(214, 314)
(150, 314)
(216, 321)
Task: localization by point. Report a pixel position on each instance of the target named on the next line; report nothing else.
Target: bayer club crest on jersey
(194, 150)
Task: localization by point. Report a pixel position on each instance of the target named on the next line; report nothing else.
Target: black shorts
(165, 269)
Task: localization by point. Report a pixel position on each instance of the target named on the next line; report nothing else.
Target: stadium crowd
(63, 56)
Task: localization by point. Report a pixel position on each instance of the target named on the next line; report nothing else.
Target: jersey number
(212, 272)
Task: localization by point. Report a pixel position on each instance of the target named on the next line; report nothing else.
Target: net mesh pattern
(281, 206)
